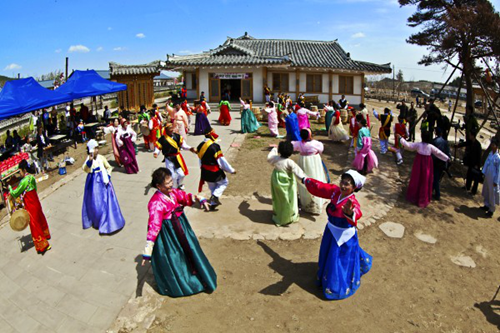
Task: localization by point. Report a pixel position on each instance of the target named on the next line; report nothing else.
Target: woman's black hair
(346, 176)
(285, 149)
(359, 116)
(426, 137)
(304, 134)
(159, 176)
(362, 121)
(271, 104)
(24, 165)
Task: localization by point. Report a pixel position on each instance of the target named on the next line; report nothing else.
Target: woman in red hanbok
(38, 223)
(225, 117)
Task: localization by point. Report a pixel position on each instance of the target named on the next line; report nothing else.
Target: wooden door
(246, 88)
(214, 93)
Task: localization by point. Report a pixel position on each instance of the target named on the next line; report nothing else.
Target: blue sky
(38, 34)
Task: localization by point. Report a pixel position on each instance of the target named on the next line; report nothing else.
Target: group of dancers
(179, 264)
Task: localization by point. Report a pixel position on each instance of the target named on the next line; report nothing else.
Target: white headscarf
(91, 145)
(359, 180)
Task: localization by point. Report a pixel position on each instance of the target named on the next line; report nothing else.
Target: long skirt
(38, 223)
(249, 123)
(313, 167)
(171, 267)
(100, 206)
(201, 124)
(181, 129)
(272, 122)
(341, 267)
(420, 187)
(284, 192)
(490, 192)
(328, 119)
(337, 132)
(224, 116)
(116, 152)
(127, 156)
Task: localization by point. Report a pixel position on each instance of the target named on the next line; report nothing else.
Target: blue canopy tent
(25, 95)
(89, 83)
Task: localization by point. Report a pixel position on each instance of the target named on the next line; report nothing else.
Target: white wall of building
(258, 89)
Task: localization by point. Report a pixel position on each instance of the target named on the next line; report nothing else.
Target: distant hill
(4, 79)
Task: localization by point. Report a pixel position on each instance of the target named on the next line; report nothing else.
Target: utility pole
(67, 62)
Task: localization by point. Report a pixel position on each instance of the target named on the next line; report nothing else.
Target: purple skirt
(100, 206)
(201, 124)
(127, 156)
(420, 188)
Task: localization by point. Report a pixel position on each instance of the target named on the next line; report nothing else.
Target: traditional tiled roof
(119, 69)
(247, 50)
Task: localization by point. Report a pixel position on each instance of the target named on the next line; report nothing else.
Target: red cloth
(224, 116)
(420, 187)
(212, 168)
(38, 223)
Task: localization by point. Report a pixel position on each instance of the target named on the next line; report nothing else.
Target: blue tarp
(25, 95)
(89, 83)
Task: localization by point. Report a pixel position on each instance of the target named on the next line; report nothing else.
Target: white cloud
(140, 35)
(12, 67)
(58, 51)
(99, 49)
(358, 35)
(78, 48)
(119, 48)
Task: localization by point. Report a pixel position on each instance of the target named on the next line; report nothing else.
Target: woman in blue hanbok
(342, 261)
(100, 206)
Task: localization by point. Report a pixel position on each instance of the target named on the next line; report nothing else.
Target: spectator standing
(472, 159)
(438, 164)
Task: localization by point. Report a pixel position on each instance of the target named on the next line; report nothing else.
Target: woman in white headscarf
(342, 261)
(100, 206)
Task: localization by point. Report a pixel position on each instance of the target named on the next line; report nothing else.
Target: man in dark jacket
(472, 159)
(439, 166)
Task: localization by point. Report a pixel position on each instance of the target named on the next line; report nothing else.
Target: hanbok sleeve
(183, 198)
(318, 146)
(296, 145)
(20, 188)
(438, 153)
(184, 145)
(410, 145)
(156, 211)
(224, 164)
(273, 156)
(320, 189)
(356, 213)
(106, 164)
(133, 135)
(297, 171)
(87, 166)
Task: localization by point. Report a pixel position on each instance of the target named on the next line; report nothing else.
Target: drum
(20, 219)
(258, 114)
(145, 129)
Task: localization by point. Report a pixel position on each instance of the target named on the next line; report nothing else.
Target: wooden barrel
(344, 116)
(256, 111)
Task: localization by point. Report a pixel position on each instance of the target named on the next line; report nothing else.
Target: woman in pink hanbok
(420, 187)
(272, 118)
(112, 129)
(179, 265)
(310, 161)
(303, 116)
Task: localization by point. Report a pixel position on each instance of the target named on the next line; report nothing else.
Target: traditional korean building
(139, 81)
(245, 65)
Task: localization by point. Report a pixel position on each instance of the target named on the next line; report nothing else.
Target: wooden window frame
(194, 81)
(281, 88)
(315, 90)
(342, 87)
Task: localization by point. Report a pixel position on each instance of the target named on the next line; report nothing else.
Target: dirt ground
(268, 286)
